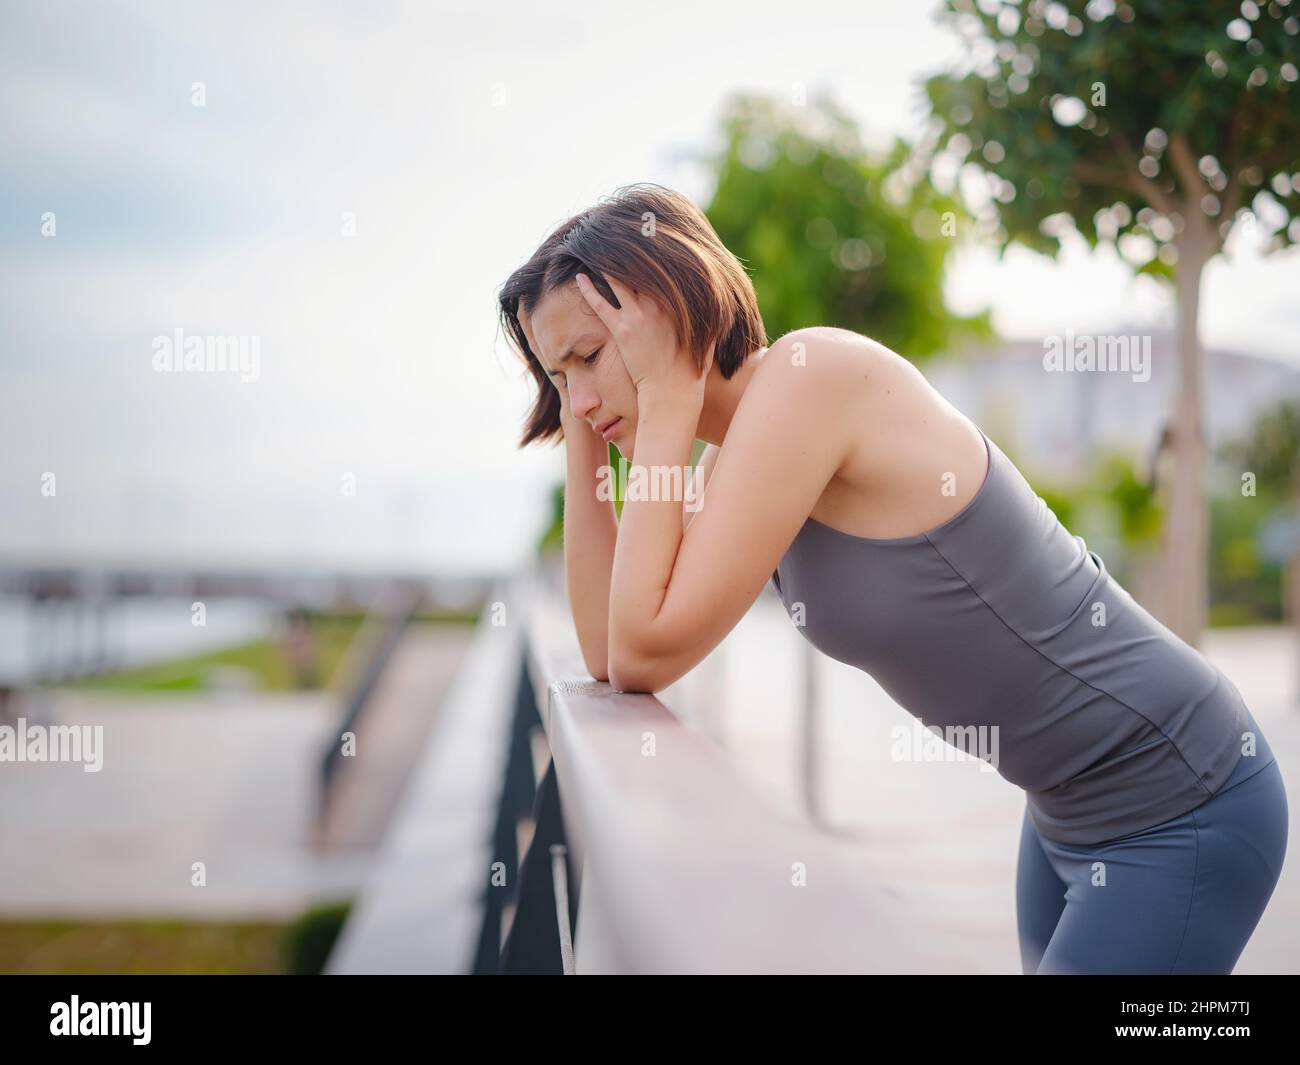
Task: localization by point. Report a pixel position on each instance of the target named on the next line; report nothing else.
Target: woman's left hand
(647, 342)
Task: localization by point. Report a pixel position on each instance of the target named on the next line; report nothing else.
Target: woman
(903, 541)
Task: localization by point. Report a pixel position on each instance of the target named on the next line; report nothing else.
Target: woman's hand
(648, 344)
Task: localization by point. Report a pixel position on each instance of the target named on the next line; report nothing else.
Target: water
(134, 632)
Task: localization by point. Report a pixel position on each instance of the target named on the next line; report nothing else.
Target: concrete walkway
(392, 732)
(231, 781)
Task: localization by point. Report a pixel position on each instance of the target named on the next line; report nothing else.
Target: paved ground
(228, 781)
(948, 833)
(395, 724)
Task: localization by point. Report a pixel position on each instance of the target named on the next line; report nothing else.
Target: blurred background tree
(1152, 125)
(1271, 452)
(1256, 521)
(831, 234)
(1113, 507)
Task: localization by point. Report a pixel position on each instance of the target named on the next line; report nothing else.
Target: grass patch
(142, 947)
(262, 660)
(180, 948)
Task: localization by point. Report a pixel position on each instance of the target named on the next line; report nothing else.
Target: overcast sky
(456, 138)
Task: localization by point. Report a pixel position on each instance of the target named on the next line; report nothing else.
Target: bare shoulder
(892, 428)
(841, 382)
(841, 371)
(812, 370)
(811, 385)
(838, 356)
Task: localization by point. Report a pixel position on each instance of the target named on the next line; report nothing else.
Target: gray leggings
(1180, 897)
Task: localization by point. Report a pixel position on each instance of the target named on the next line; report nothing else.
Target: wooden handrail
(686, 867)
(672, 857)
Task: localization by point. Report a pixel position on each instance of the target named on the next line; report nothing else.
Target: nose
(583, 399)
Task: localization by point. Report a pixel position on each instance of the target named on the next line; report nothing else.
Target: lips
(604, 427)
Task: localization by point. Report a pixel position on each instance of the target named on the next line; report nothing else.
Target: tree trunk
(1185, 594)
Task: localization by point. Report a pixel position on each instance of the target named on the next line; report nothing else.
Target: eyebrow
(581, 342)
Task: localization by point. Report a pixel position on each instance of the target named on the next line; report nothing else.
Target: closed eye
(589, 360)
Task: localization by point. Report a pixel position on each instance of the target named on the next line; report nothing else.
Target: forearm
(590, 533)
(650, 531)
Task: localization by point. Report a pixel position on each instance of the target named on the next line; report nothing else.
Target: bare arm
(590, 532)
(677, 594)
(590, 536)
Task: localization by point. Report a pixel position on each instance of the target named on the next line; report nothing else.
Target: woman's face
(593, 374)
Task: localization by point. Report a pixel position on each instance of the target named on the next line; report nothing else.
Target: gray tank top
(1001, 617)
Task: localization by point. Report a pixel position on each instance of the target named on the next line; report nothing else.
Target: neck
(722, 397)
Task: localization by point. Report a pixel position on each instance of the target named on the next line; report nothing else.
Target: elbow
(596, 667)
(629, 675)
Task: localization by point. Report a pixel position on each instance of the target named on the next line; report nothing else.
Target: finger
(604, 311)
(636, 382)
(626, 297)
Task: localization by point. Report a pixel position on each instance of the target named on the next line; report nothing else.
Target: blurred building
(1058, 421)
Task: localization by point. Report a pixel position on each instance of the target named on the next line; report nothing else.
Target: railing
(365, 661)
(605, 835)
(430, 905)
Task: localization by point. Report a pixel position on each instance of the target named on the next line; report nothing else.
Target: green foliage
(1245, 587)
(263, 661)
(1136, 118)
(1131, 499)
(1245, 581)
(1060, 502)
(1271, 453)
(831, 235)
(309, 940)
(171, 947)
(553, 538)
(1113, 487)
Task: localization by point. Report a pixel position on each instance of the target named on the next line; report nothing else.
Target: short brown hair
(679, 262)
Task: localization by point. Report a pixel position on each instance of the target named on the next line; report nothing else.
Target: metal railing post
(518, 794)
